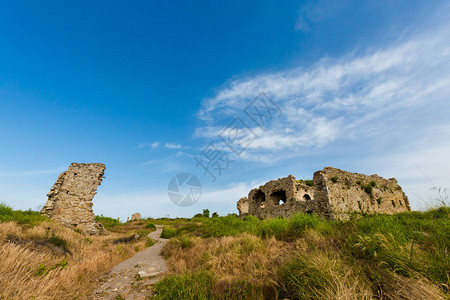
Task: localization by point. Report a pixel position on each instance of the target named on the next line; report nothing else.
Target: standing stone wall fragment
(70, 199)
(135, 216)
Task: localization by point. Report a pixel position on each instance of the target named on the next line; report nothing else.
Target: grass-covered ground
(41, 259)
(402, 256)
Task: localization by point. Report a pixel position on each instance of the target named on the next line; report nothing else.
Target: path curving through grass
(134, 277)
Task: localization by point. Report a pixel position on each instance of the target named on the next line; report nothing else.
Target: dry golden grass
(33, 268)
(245, 255)
(313, 268)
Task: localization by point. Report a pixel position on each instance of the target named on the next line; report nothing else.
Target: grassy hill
(41, 259)
(402, 256)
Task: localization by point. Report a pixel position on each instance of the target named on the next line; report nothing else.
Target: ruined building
(70, 199)
(333, 193)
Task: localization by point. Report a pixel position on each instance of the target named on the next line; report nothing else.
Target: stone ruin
(70, 199)
(333, 194)
(135, 217)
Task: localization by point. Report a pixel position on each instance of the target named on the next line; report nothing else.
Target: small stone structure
(333, 193)
(70, 199)
(135, 217)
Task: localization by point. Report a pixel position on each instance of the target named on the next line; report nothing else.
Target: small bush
(107, 222)
(308, 182)
(57, 241)
(142, 232)
(373, 184)
(186, 243)
(334, 179)
(150, 226)
(380, 200)
(168, 232)
(149, 242)
(368, 189)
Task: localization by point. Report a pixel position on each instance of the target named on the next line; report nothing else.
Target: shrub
(150, 226)
(308, 182)
(205, 213)
(150, 242)
(142, 232)
(380, 200)
(368, 189)
(57, 241)
(186, 242)
(107, 222)
(334, 179)
(373, 183)
(168, 232)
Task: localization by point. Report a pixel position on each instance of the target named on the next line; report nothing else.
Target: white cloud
(172, 146)
(374, 95)
(153, 145)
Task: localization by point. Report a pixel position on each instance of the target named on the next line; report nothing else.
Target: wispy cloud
(172, 146)
(317, 11)
(371, 95)
(153, 145)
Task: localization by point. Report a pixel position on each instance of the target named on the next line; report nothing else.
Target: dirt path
(134, 277)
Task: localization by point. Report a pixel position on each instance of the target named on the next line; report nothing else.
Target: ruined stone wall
(348, 193)
(334, 194)
(278, 198)
(70, 199)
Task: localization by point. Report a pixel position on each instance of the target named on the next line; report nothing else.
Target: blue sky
(144, 86)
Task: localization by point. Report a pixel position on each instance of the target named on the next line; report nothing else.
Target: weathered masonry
(333, 193)
(70, 199)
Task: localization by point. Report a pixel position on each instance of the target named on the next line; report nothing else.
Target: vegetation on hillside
(7, 214)
(41, 259)
(402, 256)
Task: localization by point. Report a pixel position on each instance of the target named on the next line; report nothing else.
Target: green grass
(29, 217)
(150, 226)
(150, 242)
(168, 232)
(282, 229)
(107, 222)
(186, 286)
(405, 243)
(302, 280)
(308, 182)
(374, 248)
